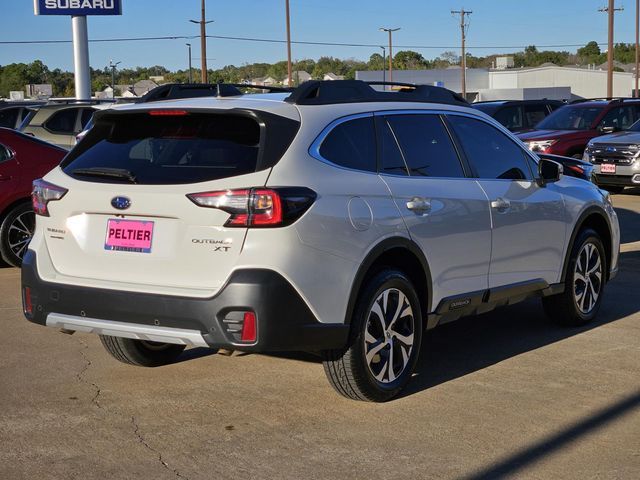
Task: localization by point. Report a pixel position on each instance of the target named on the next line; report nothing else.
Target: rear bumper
(284, 321)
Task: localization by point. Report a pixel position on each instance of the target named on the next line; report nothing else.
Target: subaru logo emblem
(121, 203)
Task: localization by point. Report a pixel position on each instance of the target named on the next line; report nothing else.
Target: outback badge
(121, 203)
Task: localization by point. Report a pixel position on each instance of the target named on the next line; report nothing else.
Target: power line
(274, 40)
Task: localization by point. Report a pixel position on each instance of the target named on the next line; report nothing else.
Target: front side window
(534, 114)
(490, 152)
(352, 144)
(510, 117)
(63, 121)
(426, 146)
(620, 118)
(570, 118)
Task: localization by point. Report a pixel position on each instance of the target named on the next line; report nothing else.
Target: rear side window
(352, 144)
(491, 153)
(63, 121)
(620, 117)
(426, 146)
(168, 149)
(9, 117)
(87, 113)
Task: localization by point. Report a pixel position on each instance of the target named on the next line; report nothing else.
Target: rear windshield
(155, 150)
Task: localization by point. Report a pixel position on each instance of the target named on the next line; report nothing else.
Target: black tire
(612, 189)
(16, 231)
(348, 370)
(565, 309)
(141, 353)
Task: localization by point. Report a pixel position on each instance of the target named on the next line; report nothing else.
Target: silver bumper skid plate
(151, 333)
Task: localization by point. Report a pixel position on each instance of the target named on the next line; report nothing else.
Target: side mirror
(609, 129)
(549, 171)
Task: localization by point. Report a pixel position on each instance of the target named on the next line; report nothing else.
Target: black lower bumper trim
(284, 321)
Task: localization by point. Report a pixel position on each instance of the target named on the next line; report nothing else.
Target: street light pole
(190, 76)
(113, 66)
(384, 55)
(289, 73)
(390, 31)
(203, 41)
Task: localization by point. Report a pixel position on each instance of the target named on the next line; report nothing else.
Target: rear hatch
(127, 217)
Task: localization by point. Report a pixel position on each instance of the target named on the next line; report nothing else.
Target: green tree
(409, 60)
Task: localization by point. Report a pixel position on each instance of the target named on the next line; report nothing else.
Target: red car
(568, 129)
(22, 160)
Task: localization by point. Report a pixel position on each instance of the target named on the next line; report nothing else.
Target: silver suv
(616, 158)
(337, 218)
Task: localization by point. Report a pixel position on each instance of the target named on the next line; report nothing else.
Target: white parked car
(337, 219)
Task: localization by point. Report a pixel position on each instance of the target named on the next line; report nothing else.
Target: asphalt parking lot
(504, 395)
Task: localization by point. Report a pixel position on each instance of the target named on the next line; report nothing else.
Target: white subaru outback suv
(337, 218)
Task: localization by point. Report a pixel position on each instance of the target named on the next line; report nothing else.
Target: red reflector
(168, 113)
(576, 168)
(249, 327)
(28, 306)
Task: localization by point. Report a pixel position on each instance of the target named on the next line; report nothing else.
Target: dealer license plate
(129, 235)
(608, 168)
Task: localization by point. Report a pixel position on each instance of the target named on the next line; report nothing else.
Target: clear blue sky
(498, 23)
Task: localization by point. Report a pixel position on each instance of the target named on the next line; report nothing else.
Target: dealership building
(547, 81)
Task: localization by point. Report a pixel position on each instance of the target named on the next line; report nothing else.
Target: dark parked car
(568, 130)
(22, 160)
(518, 115)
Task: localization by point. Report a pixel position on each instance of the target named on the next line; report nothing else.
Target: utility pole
(113, 66)
(463, 60)
(203, 41)
(390, 31)
(637, 42)
(190, 76)
(289, 73)
(611, 10)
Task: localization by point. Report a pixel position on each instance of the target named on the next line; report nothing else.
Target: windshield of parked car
(571, 118)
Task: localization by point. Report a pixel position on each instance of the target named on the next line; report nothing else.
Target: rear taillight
(43, 193)
(258, 207)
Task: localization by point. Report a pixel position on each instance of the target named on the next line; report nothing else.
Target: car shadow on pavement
(631, 222)
(508, 467)
(470, 344)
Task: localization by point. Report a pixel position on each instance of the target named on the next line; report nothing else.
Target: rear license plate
(607, 168)
(129, 235)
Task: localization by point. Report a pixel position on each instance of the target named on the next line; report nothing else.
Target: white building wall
(583, 83)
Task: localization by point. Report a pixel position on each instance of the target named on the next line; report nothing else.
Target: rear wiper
(119, 173)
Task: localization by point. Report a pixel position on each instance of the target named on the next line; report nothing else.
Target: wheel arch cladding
(9, 208)
(399, 253)
(596, 220)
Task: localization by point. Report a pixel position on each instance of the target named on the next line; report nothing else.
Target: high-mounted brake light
(258, 207)
(168, 113)
(43, 193)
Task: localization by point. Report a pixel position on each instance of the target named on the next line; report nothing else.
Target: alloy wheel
(20, 233)
(389, 335)
(587, 278)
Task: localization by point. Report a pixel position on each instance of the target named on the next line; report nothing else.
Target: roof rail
(69, 101)
(173, 91)
(604, 99)
(326, 92)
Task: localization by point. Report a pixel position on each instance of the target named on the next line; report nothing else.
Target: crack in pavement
(136, 431)
(81, 375)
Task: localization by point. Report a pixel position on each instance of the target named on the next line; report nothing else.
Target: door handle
(501, 204)
(419, 205)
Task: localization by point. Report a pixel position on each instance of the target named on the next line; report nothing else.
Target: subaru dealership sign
(77, 7)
